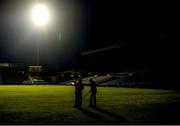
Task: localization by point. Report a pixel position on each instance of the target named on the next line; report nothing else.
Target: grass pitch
(54, 105)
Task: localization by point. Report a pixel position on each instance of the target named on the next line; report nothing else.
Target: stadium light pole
(40, 17)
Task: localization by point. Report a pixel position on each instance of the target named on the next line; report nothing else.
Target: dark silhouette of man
(78, 93)
(93, 93)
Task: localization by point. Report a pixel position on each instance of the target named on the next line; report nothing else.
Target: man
(78, 93)
(93, 93)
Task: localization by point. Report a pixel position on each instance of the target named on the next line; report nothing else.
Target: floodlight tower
(40, 17)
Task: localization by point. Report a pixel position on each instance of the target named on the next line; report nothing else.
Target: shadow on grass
(99, 117)
(120, 118)
(94, 115)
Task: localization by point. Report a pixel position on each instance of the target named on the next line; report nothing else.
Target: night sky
(149, 31)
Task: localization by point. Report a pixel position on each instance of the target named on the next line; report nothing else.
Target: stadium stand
(12, 73)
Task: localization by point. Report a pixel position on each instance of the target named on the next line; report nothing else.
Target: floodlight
(40, 15)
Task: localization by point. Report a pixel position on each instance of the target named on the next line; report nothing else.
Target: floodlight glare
(40, 15)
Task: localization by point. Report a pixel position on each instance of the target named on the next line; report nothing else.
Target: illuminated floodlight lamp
(40, 15)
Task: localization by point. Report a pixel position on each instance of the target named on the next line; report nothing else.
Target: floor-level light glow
(40, 15)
